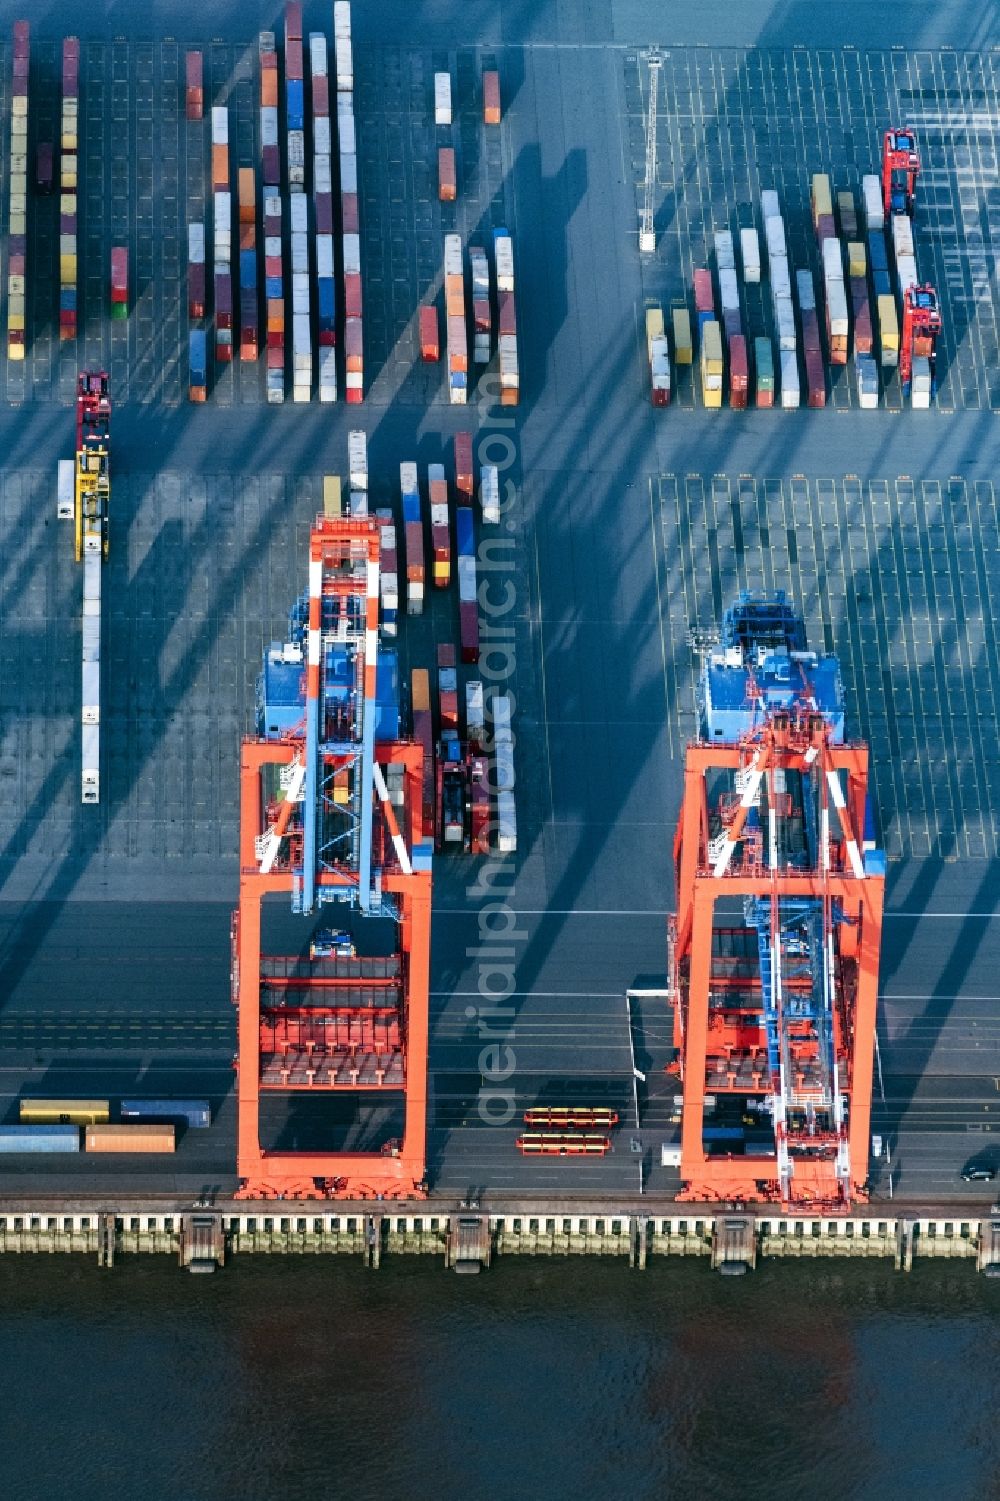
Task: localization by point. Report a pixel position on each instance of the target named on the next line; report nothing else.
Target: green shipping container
(119, 310)
(764, 362)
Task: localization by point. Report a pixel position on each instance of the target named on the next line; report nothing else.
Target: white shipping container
(342, 17)
(504, 252)
(750, 252)
(272, 245)
(223, 209)
(300, 332)
(352, 254)
(770, 207)
(357, 502)
(442, 98)
(906, 273)
(833, 261)
(272, 211)
(408, 479)
(774, 233)
(357, 459)
(321, 135)
(298, 215)
(781, 282)
(300, 260)
(836, 307)
(348, 172)
(902, 235)
(220, 126)
(324, 256)
(790, 389)
(729, 292)
(90, 782)
(300, 285)
(345, 64)
(784, 317)
(322, 175)
(452, 255)
(475, 720)
(345, 105)
(466, 568)
(196, 244)
(871, 192)
(805, 290)
(91, 695)
(269, 126)
(65, 490)
(317, 54)
(506, 823)
(296, 158)
(346, 137)
(724, 258)
(489, 493)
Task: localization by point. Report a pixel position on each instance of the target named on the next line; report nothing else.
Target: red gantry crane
(330, 811)
(900, 170)
(774, 950)
(921, 328)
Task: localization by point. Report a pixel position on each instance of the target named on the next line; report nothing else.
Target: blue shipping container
(248, 269)
(325, 299)
(876, 250)
(294, 103)
(411, 508)
(464, 535)
(197, 357)
(883, 286)
(67, 299)
(272, 286)
(194, 1112)
(39, 1138)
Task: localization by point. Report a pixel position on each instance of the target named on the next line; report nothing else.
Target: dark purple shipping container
(810, 330)
(349, 212)
(468, 630)
(324, 213)
(272, 166)
(732, 327)
(815, 378)
(825, 228)
(196, 291)
(224, 299)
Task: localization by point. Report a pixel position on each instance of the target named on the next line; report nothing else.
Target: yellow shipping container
(67, 270)
(65, 1112)
(711, 349)
(332, 505)
(654, 328)
(822, 202)
(129, 1138)
(711, 397)
(18, 225)
(67, 141)
(15, 321)
(887, 321)
(68, 179)
(15, 351)
(857, 262)
(19, 105)
(67, 203)
(683, 353)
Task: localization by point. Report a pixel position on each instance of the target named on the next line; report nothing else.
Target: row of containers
(849, 326)
(447, 169)
(68, 186)
(143, 1126)
(17, 214)
(456, 327)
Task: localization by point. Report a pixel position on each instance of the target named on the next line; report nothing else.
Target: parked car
(978, 1173)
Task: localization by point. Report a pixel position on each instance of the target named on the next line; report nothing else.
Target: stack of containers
(837, 326)
(763, 358)
(353, 334)
(503, 741)
(848, 215)
(510, 379)
(67, 189)
(298, 208)
(857, 271)
(326, 302)
(198, 365)
(17, 222)
(920, 382)
(194, 94)
(357, 471)
(271, 164)
(489, 494)
(711, 363)
(423, 734)
(475, 719)
(481, 329)
(388, 578)
(248, 263)
(468, 609)
(91, 669)
(871, 193)
(812, 349)
(440, 527)
(454, 303)
(413, 536)
(750, 252)
(222, 249)
(196, 270)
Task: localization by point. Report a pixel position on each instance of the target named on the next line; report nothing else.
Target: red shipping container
(321, 95)
(703, 296)
(468, 630)
(352, 295)
(481, 314)
(22, 33)
(506, 313)
(21, 66)
(293, 59)
(15, 265)
(491, 98)
(248, 237)
(196, 291)
(196, 393)
(349, 212)
(353, 345)
(67, 318)
(447, 179)
(119, 274)
(323, 203)
(458, 353)
(414, 537)
(738, 372)
(193, 69)
(293, 21)
(275, 357)
(224, 353)
(224, 300)
(815, 378)
(430, 342)
(463, 464)
(194, 97)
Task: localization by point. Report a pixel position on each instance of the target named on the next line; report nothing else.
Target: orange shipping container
(129, 1139)
(247, 195)
(421, 688)
(275, 315)
(269, 87)
(220, 168)
(447, 181)
(454, 295)
(430, 346)
(458, 354)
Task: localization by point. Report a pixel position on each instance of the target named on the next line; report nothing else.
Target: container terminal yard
(513, 805)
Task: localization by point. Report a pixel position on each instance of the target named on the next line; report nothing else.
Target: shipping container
(791, 395)
(750, 254)
(464, 475)
(491, 98)
(447, 180)
(764, 371)
(430, 346)
(442, 98)
(65, 490)
(128, 1138)
(738, 372)
(64, 1112)
(119, 282)
(704, 298)
(489, 494)
(820, 198)
(856, 259)
(724, 257)
(888, 331)
(37, 1139)
(654, 328)
(815, 375)
(871, 190)
(659, 367)
(681, 319)
(194, 97)
(866, 377)
(848, 217)
(194, 1113)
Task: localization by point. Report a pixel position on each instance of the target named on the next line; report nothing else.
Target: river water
(294, 1378)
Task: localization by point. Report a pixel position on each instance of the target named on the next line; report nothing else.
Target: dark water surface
(543, 1381)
